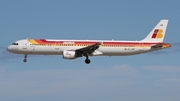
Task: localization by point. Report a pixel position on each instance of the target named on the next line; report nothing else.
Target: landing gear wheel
(24, 60)
(25, 56)
(87, 61)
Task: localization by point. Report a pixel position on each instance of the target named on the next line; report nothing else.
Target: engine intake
(69, 55)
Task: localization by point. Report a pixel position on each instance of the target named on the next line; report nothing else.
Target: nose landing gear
(25, 56)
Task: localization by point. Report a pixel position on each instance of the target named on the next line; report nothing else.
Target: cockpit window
(15, 44)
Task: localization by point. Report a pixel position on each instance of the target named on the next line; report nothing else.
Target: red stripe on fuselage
(44, 41)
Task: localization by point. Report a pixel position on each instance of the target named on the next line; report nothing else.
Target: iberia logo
(158, 33)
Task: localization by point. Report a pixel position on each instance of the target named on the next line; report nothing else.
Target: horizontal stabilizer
(162, 45)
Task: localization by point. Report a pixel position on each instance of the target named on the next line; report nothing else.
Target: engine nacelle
(69, 55)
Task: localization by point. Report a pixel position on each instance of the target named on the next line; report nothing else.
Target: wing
(88, 50)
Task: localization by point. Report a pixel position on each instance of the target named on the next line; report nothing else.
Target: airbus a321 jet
(72, 49)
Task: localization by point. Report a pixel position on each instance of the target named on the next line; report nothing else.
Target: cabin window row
(82, 45)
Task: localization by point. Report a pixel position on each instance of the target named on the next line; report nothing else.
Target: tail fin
(158, 33)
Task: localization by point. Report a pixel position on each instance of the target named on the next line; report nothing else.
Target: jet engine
(69, 55)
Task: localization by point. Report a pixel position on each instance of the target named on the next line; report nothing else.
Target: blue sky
(146, 77)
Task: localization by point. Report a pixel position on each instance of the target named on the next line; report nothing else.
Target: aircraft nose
(9, 48)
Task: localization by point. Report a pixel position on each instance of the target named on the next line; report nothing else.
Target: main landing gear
(25, 56)
(87, 61)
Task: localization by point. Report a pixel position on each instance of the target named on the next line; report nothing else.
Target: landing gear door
(141, 46)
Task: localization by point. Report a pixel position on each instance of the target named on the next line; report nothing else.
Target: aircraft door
(141, 46)
(24, 46)
(33, 47)
(57, 45)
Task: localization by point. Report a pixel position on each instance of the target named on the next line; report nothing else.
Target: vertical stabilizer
(158, 33)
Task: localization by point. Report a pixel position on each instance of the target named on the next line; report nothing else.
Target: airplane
(72, 49)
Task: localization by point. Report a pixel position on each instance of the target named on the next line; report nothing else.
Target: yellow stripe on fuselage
(32, 41)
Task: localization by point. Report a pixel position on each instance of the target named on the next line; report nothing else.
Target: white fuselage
(126, 48)
(72, 49)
